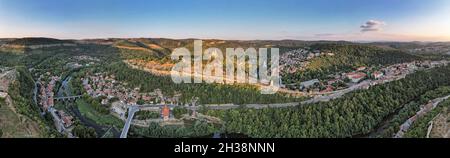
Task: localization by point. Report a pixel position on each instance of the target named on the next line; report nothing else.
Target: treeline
(38, 41)
(178, 112)
(357, 113)
(81, 131)
(144, 115)
(197, 129)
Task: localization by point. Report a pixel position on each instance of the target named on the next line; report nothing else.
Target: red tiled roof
(359, 76)
(356, 75)
(166, 111)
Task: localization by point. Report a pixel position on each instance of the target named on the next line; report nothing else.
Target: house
(67, 121)
(146, 97)
(3, 95)
(328, 89)
(330, 82)
(310, 56)
(356, 76)
(362, 68)
(165, 112)
(50, 101)
(104, 101)
(132, 101)
(377, 74)
(308, 84)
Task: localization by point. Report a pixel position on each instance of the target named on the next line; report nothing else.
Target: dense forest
(197, 129)
(208, 93)
(420, 128)
(408, 110)
(12, 59)
(354, 114)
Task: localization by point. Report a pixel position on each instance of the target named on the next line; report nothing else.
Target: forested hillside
(354, 114)
(208, 93)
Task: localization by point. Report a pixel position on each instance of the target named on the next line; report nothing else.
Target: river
(66, 90)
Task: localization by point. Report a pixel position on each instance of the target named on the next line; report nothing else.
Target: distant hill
(141, 49)
(417, 47)
(347, 56)
(21, 45)
(38, 41)
(5, 40)
(162, 47)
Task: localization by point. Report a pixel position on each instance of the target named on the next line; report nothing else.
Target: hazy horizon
(187, 38)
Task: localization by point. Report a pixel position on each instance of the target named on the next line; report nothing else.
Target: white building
(309, 83)
(3, 95)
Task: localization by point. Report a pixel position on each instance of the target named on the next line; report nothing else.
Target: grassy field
(15, 126)
(107, 120)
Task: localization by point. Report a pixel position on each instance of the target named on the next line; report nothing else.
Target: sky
(351, 20)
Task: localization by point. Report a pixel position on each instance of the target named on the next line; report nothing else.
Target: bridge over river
(69, 98)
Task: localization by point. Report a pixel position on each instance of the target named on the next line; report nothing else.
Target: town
(297, 61)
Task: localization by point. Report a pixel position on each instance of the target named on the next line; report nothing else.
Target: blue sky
(401, 20)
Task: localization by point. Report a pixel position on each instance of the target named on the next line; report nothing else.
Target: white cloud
(372, 25)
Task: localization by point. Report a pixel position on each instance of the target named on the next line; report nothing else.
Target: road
(131, 111)
(35, 90)
(135, 108)
(35, 93)
(319, 98)
(58, 123)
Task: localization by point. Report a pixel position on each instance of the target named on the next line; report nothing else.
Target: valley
(86, 88)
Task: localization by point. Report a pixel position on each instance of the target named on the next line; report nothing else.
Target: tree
(179, 111)
(84, 132)
(1, 133)
(140, 102)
